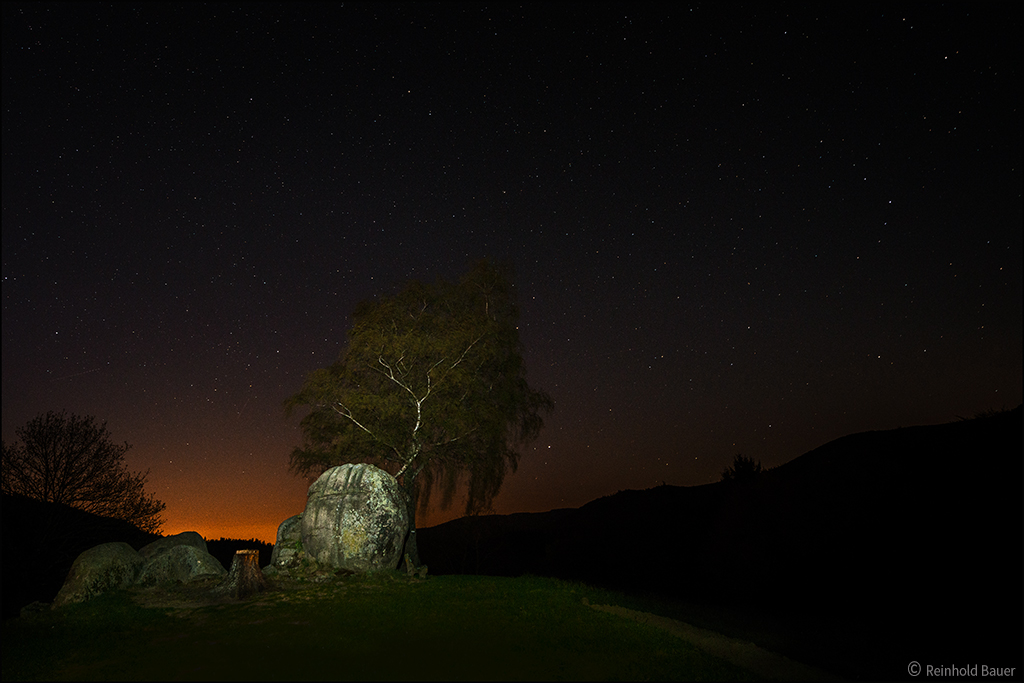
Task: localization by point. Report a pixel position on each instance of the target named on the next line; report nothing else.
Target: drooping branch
(467, 349)
(347, 413)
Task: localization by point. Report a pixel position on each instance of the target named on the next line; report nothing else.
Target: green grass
(377, 627)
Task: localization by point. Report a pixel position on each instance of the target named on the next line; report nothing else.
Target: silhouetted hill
(41, 540)
(914, 534)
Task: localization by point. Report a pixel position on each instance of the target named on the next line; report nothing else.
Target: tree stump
(414, 571)
(245, 578)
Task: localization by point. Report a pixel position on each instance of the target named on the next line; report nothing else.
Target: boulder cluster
(355, 521)
(181, 558)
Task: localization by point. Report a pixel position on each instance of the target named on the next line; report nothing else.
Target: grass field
(374, 627)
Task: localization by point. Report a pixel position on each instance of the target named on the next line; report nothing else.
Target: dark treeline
(224, 549)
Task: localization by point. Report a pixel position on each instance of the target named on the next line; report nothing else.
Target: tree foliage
(742, 469)
(431, 387)
(72, 461)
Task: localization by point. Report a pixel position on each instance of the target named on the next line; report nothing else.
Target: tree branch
(346, 412)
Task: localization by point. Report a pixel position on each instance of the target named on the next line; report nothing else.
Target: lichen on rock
(355, 519)
(97, 570)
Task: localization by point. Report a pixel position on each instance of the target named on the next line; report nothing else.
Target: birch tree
(431, 387)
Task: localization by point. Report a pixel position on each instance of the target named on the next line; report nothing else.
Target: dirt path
(739, 652)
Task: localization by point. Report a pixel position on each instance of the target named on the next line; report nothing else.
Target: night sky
(735, 229)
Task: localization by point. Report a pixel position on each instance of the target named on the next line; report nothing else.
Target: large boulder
(182, 563)
(355, 519)
(288, 547)
(167, 542)
(97, 570)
